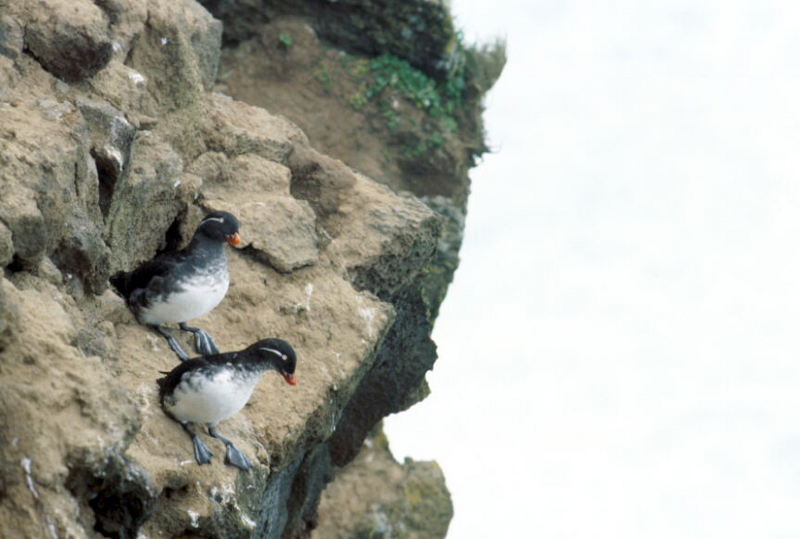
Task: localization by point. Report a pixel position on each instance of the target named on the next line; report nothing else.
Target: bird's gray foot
(233, 455)
(202, 454)
(172, 343)
(203, 341)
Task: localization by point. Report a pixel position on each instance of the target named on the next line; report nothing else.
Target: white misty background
(619, 350)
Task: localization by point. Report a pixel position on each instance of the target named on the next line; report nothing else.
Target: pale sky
(619, 352)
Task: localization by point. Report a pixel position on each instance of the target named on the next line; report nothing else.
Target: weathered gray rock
(283, 229)
(255, 173)
(243, 173)
(111, 140)
(421, 31)
(235, 128)
(437, 280)
(177, 53)
(394, 272)
(83, 253)
(11, 36)
(6, 245)
(336, 264)
(107, 125)
(144, 202)
(212, 167)
(406, 501)
(37, 177)
(9, 316)
(118, 491)
(68, 37)
(20, 214)
(49, 184)
(321, 180)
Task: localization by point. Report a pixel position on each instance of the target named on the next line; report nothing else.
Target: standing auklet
(181, 285)
(209, 389)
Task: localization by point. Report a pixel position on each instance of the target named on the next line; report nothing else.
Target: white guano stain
(193, 516)
(26, 465)
(136, 77)
(115, 154)
(309, 293)
(367, 315)
(248, 522)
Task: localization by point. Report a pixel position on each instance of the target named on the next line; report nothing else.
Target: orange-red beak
(291, 379)
(234, 239)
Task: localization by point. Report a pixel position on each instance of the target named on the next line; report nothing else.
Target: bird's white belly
(195, 300)
(211, 399)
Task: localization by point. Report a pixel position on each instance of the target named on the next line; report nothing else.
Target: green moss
(391, 116)
(386, 79)
(324, 77)
(286, 41)
(389, 73)
(358, 101)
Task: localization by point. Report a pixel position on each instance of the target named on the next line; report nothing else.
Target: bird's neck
(253, 364)
(203, 245)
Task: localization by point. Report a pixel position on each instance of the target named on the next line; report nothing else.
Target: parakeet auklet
(181, 285)
(211, 388)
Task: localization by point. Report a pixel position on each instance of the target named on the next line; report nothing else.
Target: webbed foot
(202, 454)
(173, 343)
(203, 341)
(233, 456)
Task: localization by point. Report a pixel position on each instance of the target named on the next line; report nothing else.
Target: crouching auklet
(211, 388)
(181, 285)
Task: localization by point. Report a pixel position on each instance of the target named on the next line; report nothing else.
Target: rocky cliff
(341, 139)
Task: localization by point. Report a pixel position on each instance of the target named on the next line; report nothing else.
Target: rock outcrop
(375, 496)
(114, 140)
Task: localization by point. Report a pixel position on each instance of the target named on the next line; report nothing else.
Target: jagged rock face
(111, 148)
(317, 87)
(265, 72)
(72, 44)
(421, 31)
(408, 500)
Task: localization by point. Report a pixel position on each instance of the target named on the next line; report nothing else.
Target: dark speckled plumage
(212, 388)
(181, 285)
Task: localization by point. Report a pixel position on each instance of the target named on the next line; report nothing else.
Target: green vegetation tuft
(387, 72)
(325, 79)
(386, 78)
(286, 41)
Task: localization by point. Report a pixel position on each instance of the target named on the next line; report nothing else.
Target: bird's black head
(279, 355)
(220, 226)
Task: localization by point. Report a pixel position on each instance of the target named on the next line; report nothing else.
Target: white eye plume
(217, 219)
(281, 355)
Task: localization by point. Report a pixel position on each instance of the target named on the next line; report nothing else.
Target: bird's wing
(168, 383)
(148, 280)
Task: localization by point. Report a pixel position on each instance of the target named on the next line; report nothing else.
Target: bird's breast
(210, 397)
(191, 297)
